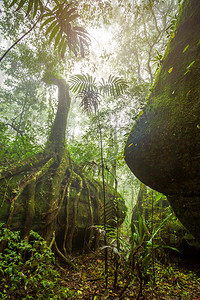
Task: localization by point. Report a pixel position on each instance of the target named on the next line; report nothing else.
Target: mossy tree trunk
(49, 193)
(163, 149)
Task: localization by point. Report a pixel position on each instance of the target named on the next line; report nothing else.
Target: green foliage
(114, 86)
(30, 6)
(91, 92)
(81, 82)
(27, 269)
(61, 28)
(60, 23)
(86, 154)
(144, 247)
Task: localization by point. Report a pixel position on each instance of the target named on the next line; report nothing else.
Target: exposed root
(75, 204)
(30, 184)
(54, 206)
(24, 166)
(68, 186)
(64, 258)
(91, 217)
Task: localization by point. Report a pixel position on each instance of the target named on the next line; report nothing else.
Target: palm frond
(31, 7)
(85, 87)
(60, 24)
(89, 100)
(114, 86)
(61, 28)
(82, 82)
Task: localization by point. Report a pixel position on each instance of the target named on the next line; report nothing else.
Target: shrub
(27, 268)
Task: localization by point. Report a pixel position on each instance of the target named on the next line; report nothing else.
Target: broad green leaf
(61, 44)
(41, 6)
(48, 14)
(66, 12)
(73, 17)
(71, 11)
(63, 50)
(82, 48)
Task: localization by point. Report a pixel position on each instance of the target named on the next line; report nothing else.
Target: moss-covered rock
(163, 149)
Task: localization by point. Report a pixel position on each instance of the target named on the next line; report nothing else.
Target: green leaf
(53, 24)
(191, 64)
(41, 6)
(80, 29)
(48, 14)
(66, 12)
(72, 18)
(185, 49)
(158, 197)
(63, 50)
(21, 4)
(47, 21)
(35, 8)
(12, 3)
(71, 11)
(61, 44)
(54, 32)
(30, 5)
(159, 227)
(57, 39)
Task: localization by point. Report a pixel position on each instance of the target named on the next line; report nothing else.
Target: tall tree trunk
(56, 140)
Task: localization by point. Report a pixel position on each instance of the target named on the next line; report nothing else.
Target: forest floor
(87, 282)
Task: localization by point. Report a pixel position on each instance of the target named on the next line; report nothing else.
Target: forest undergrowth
(171, 282)
(29, 270)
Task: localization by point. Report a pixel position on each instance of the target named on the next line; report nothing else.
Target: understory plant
(144, 252)
(27, 268)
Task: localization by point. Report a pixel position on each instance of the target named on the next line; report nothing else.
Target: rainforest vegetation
(77, 80)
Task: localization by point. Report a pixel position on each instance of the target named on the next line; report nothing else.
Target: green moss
(164, 151)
